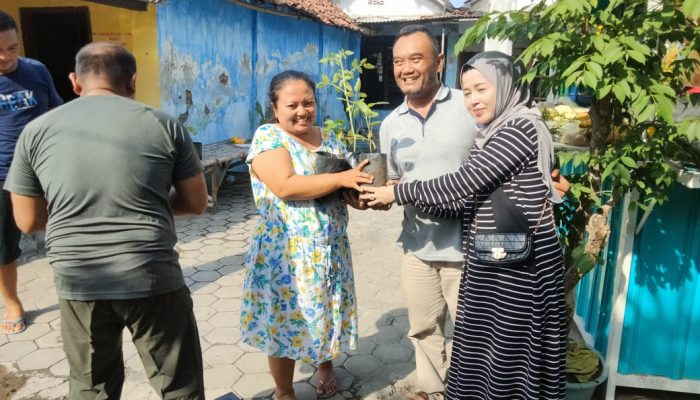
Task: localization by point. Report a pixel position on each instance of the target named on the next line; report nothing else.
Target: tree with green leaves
(635, 57)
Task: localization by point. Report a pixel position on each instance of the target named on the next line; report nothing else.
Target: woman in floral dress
(298, 294)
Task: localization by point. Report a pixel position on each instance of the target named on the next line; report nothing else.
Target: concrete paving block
(255, 385)
(303, 371)
(233, 292)
(61, 368)
(44, 316)
(304, 390)
(217, 235)
(401, 323)
(400, 371)
(236, 244)
(204, 288)
(51, 339)
(231, 280)
(204, 327)
(33, 331)
(374, 388)
(392, 353)
(222, 354)
(363, 366)
(227, 319)
(42, 386)
(339, 360)
(214, 265)
(227, 305)
(387, 335)
(223, 336)
(190, 254)
(205, 276)
(221, 376)
(203, 299)
(213, 242)
(191, 245)
(230, 269)
(3, 339)
(344, 379)
(364, 346)
(251, 363)
(41, 359)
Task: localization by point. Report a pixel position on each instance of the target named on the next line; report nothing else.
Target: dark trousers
(164, 332)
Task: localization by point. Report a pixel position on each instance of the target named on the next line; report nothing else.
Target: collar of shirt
(441, 95)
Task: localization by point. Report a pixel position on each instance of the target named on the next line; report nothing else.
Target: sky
(457, 3)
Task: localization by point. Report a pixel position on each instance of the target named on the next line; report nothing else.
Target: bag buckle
(498, 253)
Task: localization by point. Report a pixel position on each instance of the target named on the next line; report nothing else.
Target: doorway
(53, 35)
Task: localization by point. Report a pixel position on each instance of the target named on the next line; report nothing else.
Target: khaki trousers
(431, 289)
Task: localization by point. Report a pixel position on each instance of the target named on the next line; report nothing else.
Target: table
(217, 158)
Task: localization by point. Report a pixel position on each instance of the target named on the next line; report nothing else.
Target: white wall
(389, 8)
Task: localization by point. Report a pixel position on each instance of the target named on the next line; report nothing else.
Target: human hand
(378, 196)
(352, 198)
(561, 185)
(354, 178)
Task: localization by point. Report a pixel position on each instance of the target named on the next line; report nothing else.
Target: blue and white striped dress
(510, 333)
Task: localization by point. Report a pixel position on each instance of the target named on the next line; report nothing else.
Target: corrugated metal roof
(457, 15)
(322, 10)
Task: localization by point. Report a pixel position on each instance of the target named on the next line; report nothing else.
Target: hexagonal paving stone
(14, 351)
(399, 371)
(221, 376)
(50, 339)
(45, 316)
(204, 288)
(236, 244)
(222, 354)
(3, 339)
(41, 359)
(344, 379)
(374, 388)
(32, 332)
(401, 323)
(223, 336)
(363, 365)
(251, 363)
(231, 280)
(210, 266)
(392, 353)
(229, 292)
(386, 335)
(255, 385)
(226, 319)
(191, 245)
(227, 305)
(365, 346)
(204, 299)
(205, 276)
(61, 368)
(213, 242)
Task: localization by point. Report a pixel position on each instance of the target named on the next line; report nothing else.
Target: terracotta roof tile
(322, 10)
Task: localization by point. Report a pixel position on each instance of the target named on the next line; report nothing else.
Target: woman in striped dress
(510, 333)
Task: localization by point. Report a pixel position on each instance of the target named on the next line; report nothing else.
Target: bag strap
(507, 215)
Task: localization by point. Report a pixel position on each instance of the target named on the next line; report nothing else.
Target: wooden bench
(217, 158)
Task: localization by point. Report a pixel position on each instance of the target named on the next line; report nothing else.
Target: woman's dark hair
(279, 80)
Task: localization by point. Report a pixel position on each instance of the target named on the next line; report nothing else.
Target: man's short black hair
(411, 29)
(7, 23)
(110, 61)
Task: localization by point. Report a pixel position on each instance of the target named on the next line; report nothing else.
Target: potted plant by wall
(358, 134)
(618, 52)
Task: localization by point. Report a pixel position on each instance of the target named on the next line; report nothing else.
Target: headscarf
(511, 103)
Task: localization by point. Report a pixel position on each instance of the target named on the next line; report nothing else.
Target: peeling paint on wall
(225, 55)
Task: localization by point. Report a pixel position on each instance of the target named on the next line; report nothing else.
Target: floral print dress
(298, 293)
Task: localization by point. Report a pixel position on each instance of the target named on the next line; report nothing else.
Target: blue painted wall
(661, 327)
(217, 60)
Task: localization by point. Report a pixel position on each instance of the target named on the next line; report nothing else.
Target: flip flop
(13, 326)
(327, 389)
